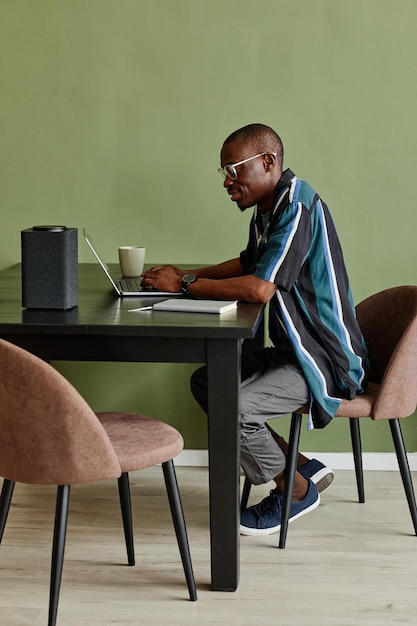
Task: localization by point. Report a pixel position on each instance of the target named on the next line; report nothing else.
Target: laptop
(125, 286)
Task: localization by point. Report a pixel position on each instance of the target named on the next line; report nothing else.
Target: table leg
(223, 363)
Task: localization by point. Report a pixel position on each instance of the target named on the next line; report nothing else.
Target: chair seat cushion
(140, 441)
(361, 406)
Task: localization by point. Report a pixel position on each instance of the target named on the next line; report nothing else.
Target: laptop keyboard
(130, 284)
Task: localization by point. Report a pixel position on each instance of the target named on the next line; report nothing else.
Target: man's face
(254, 184)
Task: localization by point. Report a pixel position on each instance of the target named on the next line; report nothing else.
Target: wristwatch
(186, 281)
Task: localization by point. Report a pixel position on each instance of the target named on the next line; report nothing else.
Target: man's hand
(164, 278)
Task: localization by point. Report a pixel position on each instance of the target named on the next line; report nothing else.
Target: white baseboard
(385, 461)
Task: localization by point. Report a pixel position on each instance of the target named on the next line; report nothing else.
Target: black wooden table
(101, 328)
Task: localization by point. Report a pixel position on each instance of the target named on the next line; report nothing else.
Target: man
(293, 260)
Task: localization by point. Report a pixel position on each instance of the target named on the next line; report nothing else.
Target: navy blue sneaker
(265, 518)
(321, 475)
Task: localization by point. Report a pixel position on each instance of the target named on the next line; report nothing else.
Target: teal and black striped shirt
(297, 248)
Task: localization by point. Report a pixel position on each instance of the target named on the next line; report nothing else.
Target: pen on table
(142, 308)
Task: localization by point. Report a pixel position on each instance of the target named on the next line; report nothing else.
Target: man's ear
(269, 161)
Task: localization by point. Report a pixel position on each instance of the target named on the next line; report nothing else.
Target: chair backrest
(388, 321)
(48, 433)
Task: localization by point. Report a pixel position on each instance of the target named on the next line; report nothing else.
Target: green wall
(113, 112)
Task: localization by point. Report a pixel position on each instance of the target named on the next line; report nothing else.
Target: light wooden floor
(345, 564)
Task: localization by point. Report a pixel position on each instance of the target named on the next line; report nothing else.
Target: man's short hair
(261, 137)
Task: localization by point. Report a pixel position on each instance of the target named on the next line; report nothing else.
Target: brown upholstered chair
(50, 436)
(388, 321)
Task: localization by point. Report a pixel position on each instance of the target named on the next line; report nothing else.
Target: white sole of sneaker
(323, 479)
(257, 532)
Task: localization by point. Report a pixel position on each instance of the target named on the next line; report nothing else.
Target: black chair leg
(126, 508)
(179, 525)
(290, 469)
(245, 494)
(404, 468)
(5, 500)
(58, 549)
(355, 435)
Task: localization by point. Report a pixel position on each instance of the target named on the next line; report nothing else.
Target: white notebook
(196, 306)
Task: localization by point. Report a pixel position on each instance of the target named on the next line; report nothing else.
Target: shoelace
(270, 504)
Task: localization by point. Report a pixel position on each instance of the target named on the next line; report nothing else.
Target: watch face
(188, 278)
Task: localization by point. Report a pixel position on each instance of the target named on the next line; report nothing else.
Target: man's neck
(268, 202)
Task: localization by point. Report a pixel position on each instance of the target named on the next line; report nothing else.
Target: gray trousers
(272, 385)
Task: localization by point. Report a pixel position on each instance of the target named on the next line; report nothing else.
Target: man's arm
(247, 288)
(228, 269)
(225, 281)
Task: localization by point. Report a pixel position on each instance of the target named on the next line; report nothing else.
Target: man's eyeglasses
(230, 169)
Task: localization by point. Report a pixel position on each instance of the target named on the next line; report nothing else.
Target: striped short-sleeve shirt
(298, 249)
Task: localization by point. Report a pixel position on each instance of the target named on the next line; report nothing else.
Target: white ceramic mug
(132, 260)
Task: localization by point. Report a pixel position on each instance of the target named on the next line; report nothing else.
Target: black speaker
(49, 267)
